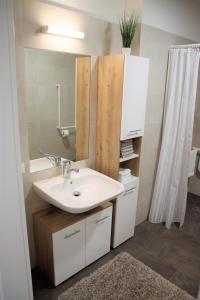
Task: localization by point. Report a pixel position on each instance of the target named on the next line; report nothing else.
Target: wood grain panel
(43, 245)
(56, 219)
(83, 70)
(110, 91)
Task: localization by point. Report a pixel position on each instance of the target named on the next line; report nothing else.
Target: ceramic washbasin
(87, 190)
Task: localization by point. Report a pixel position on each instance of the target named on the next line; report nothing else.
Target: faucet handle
(58, 160)
(54, 159)
(67, 162)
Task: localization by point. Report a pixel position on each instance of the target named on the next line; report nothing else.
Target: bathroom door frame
(15, 272)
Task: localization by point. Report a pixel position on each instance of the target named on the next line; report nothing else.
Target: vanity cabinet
(121, 105)
(66, 243)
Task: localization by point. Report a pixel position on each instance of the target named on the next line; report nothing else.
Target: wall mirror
(58, 106)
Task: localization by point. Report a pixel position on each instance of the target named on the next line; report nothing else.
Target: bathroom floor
(175, 254)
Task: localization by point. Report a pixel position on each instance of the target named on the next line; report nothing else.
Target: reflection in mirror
(57, 93)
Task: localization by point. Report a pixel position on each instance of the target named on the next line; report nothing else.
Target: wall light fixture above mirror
(58, 106)
(64, 31)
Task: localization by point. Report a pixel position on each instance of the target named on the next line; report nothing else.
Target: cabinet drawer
(98, 235)
(68, 251)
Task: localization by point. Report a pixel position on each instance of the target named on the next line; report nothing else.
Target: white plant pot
(126, 51)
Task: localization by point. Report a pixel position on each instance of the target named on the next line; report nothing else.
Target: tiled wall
(43, 70)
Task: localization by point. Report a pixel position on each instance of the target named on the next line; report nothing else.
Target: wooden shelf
(135, 155)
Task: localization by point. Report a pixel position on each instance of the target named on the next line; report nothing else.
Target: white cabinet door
(134, 96)
(98, 235)
(68, 251)
(125, 213)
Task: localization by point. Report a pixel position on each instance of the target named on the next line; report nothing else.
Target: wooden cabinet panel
(83, 74)
(110, 88)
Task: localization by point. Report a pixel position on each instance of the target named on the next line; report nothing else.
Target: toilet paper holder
(65, 131)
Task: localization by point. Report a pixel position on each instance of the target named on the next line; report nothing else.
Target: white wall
(100, 36)
(109, 10)
(180, 17)
(15, 277)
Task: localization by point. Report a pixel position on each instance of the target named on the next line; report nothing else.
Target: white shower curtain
(170, 191)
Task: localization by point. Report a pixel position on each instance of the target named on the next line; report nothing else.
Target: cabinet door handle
(71, 234)
(131, 132)
(102, 219)
(129, 191)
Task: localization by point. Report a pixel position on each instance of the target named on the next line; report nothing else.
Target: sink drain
(76, 193)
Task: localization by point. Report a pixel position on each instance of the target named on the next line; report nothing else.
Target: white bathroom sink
(88, 190)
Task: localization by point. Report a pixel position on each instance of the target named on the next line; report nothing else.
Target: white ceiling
(109, 10)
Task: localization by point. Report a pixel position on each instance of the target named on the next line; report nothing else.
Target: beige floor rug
(125, 278)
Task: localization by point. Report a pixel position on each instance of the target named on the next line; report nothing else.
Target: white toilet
(194, 159)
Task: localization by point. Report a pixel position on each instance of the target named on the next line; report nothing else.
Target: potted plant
(127, 28)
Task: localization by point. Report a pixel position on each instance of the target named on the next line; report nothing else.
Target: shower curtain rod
(185, 46)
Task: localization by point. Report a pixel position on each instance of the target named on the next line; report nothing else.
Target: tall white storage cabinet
(134, 96)
(122, 93)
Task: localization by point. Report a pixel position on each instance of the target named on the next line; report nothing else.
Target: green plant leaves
(127, 28)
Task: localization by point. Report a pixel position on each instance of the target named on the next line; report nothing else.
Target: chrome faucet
(54, 159)
(67, 170)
